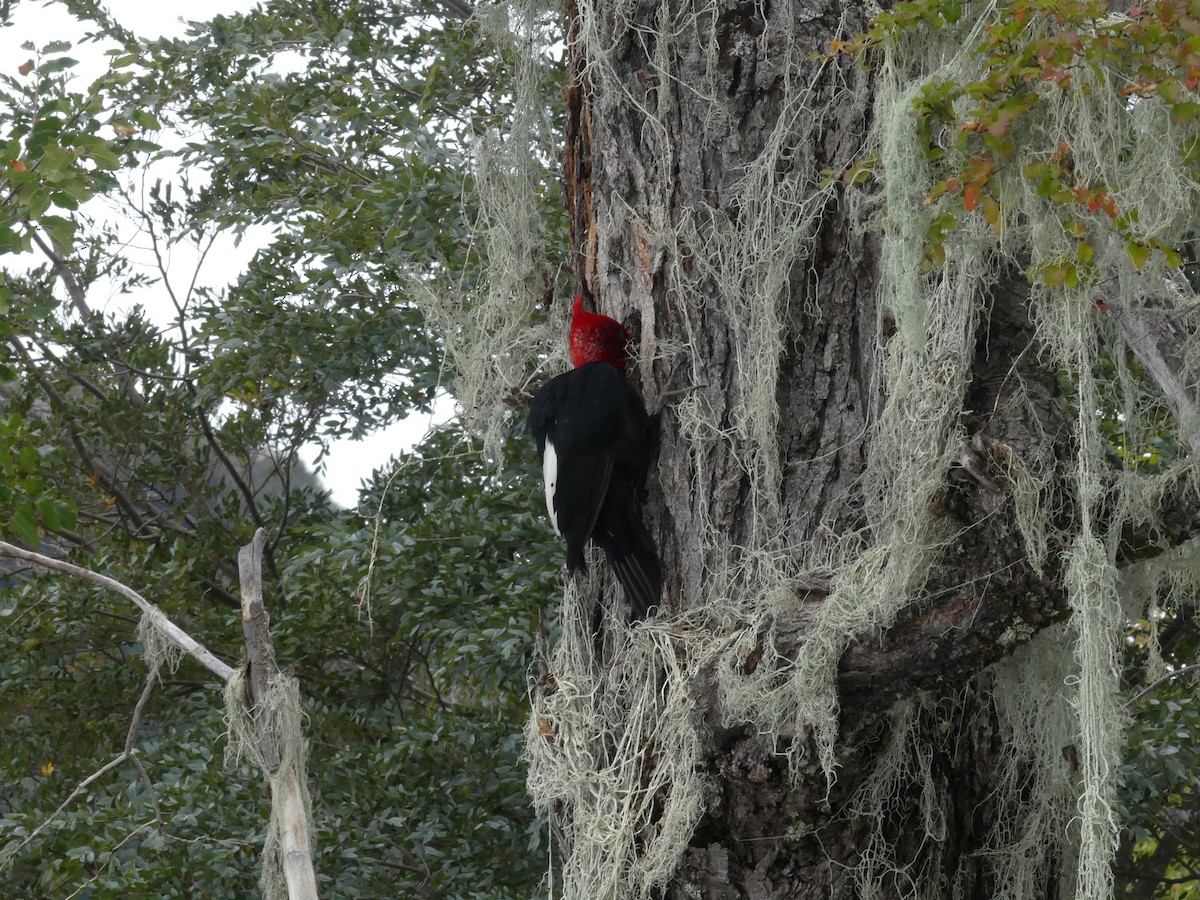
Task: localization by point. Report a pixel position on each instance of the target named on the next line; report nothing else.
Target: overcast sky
(348, 462)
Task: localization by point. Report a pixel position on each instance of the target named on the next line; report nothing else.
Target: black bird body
(596, 442)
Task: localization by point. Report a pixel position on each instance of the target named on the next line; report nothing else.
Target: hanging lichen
(280, 715)
(488, 330)
(159, 650)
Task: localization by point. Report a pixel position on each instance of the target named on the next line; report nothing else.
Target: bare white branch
(159, 619)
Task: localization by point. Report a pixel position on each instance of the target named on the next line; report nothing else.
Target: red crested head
(596, 338)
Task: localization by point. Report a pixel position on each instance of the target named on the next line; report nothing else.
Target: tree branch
(457, 9)
(201, 414)
(295, 846)
(64, 273)
(1157, 338)
(1182, 670)
(176, 634)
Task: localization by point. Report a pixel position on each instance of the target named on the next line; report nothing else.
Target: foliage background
(149, 446)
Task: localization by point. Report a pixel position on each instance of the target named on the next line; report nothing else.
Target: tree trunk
(674, 114)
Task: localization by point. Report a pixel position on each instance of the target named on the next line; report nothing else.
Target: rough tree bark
(982, 597)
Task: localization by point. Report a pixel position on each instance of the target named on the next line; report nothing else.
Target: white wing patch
(550, 475)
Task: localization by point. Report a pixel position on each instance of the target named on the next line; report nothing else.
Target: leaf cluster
(1159, 777)
(150, 446)
(1034, 51)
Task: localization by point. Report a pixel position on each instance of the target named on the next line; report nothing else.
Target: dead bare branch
(159, 619)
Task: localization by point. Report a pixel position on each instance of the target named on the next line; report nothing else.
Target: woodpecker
(595, 442)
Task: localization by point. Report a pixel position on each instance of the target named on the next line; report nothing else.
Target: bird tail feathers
(635, 563)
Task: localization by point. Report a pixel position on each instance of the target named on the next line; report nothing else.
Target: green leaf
(138, 145)
(66, 514)
(28, 460)
(60, 64)
(146, 120)
(11, 241)
(24, 525)
(1138, 253)
(1184, 112)
(48, 511)
(63, 200)
(104, 158)
(61, 230)
(1170, 89)
(56, 163)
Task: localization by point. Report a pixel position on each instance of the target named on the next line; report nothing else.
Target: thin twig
(128, 754)
(135, 724)
(112, 853)
(1182, 670)
(79, 789)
